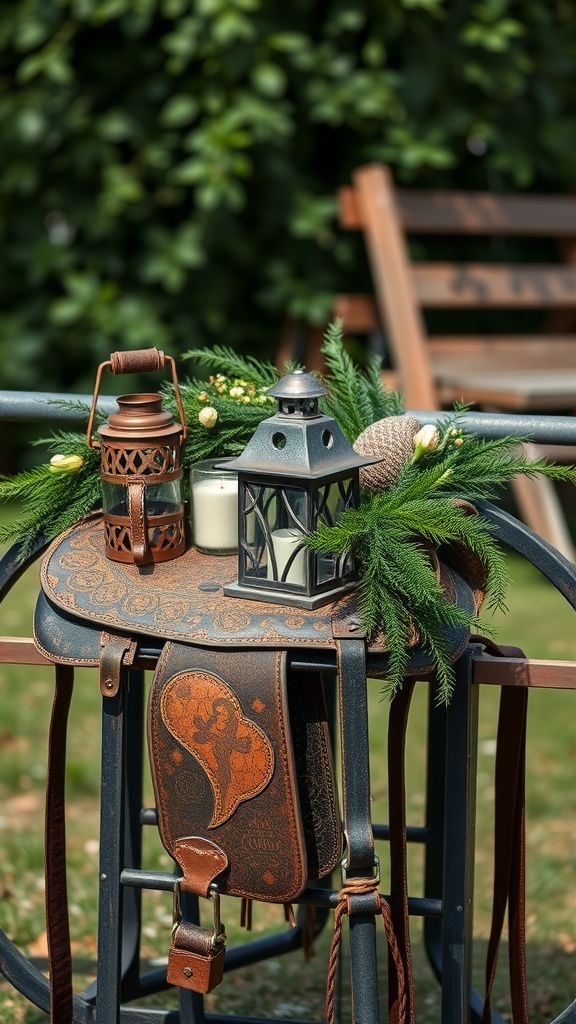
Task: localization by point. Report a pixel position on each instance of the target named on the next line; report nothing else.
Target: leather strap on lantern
(141, 467)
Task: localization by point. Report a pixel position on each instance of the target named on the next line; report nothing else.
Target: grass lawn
(538, 620)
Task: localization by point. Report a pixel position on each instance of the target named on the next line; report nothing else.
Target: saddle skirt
(83, 592)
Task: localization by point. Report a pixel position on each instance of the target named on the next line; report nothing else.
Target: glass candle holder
(214, 508)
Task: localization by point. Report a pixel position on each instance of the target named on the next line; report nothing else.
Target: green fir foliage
(398, 591)
(237, 395)
(356, 397)
(51, 500)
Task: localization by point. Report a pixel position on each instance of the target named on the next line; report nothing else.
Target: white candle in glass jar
(215, 513)
(284, 542)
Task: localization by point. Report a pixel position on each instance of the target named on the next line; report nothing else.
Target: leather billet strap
(510, 844)
(509, 839)
(510, 851)
(57, 927)
(351, 664)
(225, 776)
(115, 650)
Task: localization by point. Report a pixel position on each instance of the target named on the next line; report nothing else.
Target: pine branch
(398, 586)
(355, 397)
(52, 501)
(231, 364)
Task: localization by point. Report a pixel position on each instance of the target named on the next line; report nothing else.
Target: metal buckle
(219, 934)
(218, 937)
(375, 867)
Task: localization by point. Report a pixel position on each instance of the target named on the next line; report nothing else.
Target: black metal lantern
(297, 471)
(141, 467)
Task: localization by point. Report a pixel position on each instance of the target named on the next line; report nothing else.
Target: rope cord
(361, 887)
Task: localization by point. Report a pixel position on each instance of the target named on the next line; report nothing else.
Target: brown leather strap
(360, 891)
(57, 927)
(509, 849)
(115, 651)
(138, 523)
(397, 725)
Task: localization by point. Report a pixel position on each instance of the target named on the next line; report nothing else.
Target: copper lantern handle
(141, 360)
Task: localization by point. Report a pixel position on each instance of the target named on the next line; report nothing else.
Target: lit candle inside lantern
(285, 542)
(214, 508)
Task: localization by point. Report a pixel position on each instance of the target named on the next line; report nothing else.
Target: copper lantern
(297, 471)
(141, 467)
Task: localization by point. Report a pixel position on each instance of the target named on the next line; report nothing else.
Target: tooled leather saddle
(239, 744)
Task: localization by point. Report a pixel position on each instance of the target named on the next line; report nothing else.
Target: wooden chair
(510, 373)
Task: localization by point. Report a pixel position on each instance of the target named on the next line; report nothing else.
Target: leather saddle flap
(242, 772)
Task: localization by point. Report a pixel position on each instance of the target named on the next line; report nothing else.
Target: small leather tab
(364, 903)
(138, 525)
(116, 651)
(194, 962)
(201, 862)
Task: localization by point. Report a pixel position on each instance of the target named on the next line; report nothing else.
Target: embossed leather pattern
(225, 761)
(183, 600)
(179, 600)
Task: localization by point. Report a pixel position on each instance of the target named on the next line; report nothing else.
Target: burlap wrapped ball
(391, 440)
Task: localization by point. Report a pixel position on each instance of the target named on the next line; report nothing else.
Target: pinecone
(391, 440)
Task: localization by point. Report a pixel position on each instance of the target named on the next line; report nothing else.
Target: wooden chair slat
(358, 312)
(541, 352)
(480, 285)
(479, 213)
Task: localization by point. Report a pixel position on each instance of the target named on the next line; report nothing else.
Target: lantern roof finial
(297, 384)
(297, 394)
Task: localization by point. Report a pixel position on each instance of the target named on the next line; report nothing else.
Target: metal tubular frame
(447, 835)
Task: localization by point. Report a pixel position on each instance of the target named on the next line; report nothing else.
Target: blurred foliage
(170, 166)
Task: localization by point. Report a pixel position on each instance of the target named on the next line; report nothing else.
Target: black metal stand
(448, 837)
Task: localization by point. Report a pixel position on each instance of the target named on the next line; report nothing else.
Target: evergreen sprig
(234, 425)
(398, 590)
(231, 364)
(52, 500)
(356, 397)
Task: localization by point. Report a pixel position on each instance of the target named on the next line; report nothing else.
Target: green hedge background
(169, 167)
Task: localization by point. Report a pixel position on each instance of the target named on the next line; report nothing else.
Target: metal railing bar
(542, 429)
(43, 405)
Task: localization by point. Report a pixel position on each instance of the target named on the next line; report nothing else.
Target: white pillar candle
(284, 542)
(215, 514)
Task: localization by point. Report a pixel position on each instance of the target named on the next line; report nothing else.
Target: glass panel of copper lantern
(142, 471)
